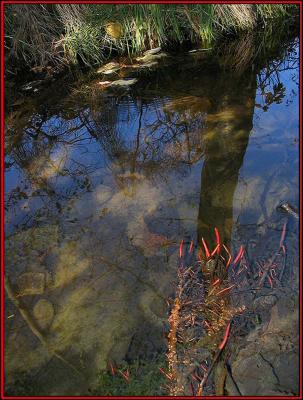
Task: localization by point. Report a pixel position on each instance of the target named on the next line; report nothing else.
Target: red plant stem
(191, 246)
(204, 368)
(112, 369)
(228, 262)
(168, 376)
(269, 280)
(200, 255)
(181, 248)
(125, 375)
(207, 324)
(239, 255)
(224, 341)
(229, 256)
(224, 290)
(206, 375)
(194, 376)
(217, 239)
(216, 249)
(239, 272)
(283, 235)
(216, 282)
(207, 253)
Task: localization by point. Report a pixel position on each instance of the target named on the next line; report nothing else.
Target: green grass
(65, 34)
(145, 379)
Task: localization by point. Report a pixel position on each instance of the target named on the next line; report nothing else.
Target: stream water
(101, 186)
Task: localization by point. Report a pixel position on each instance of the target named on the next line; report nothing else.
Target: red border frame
(2, 188)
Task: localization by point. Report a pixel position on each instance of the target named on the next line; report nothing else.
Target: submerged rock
(263, 302)
(31, 283)
(269, 362)
(44, 313)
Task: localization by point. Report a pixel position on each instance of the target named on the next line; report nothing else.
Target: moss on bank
(63, 34)
(145, 379)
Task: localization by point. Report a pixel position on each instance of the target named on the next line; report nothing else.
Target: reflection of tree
(270, 88)
(39, 147)
(259, 53)
(156, 141)
(229, 123)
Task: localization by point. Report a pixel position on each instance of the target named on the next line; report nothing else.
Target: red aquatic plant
(217, 239)
(191, 246)
(207, 253)
(125, 375)
(202, 309)
(224, 341)
(239, 255)
(197, 311)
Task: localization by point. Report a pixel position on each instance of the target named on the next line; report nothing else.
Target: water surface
(101, 186)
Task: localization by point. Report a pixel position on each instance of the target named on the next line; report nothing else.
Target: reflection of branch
(269, 79)
(32, 325)
(137, 139)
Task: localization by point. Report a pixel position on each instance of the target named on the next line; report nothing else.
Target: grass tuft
(38, 35)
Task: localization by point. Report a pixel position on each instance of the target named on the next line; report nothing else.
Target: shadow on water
(102, 185)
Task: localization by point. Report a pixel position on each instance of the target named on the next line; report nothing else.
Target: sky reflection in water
(101, 187)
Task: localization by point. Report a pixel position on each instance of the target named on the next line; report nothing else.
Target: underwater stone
(265, 301)
(44, 313)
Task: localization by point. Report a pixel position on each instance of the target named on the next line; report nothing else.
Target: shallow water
(102, 185)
